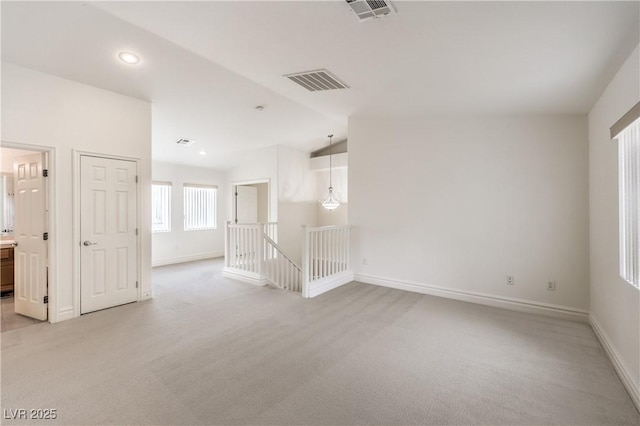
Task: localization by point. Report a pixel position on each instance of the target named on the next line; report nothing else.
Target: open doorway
(251, 202)
(24, 250)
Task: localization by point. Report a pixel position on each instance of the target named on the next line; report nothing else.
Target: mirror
(6, 204)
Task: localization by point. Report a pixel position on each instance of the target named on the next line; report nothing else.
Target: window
(629, 199)
(160, 207)
(199, 207)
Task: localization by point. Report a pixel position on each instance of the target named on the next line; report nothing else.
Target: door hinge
(45, 172)
(136, 284)
(45, 299)
(136, 178)
(45, 236)
(136, 231)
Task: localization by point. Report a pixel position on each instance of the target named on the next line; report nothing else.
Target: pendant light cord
(330, 203)
(330, 165)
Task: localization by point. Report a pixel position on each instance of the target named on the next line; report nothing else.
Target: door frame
(232, 192)
(77, 154)
(50, 205)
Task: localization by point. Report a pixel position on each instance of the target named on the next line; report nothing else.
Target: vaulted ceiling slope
(192, 97)
(431, 57)
(206, 65)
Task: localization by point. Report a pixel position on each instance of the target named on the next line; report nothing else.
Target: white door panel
(30, 253)
(108, 264)
(247, 204)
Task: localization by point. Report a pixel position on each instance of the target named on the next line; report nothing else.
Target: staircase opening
(252, 255)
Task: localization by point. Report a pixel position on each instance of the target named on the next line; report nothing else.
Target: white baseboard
(183, 259)
(558, 311)
(247, 277)
(632, 387)
(324, 285)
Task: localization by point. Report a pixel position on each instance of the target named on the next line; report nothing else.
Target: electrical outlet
(551, 285)
(364, 261)
(510, 280)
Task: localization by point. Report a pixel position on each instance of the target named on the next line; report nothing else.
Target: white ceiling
(206, 65)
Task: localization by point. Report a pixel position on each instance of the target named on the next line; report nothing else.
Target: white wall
(461, 203)
(40, 109)
(337, 217)
(258, 165)
(180, 245)
(296, 182)
(615, 304)
(297, 199)
(263, 202)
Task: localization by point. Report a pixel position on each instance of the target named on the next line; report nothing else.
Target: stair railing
(325, 257)
(279, 268)
(252, 254)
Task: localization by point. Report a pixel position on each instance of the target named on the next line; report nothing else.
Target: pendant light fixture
(331, 202)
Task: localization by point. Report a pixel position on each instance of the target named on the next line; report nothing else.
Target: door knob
(89, 243)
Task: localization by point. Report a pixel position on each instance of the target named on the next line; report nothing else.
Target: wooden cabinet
(6, 269)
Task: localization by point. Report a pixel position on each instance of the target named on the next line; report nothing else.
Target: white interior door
(30, 252)
(247, 204)
(108, 253)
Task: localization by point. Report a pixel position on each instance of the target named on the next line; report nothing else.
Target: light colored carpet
(208, 350)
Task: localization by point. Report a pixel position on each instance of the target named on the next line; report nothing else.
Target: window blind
(161, 207)
(629, 199)
(199, 207)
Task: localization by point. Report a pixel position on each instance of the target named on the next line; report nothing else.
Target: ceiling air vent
(367, 9)
(317, 80)
(185, 142)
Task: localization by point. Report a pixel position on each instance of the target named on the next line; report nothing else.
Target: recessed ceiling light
(129, 58)
(203, 153)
